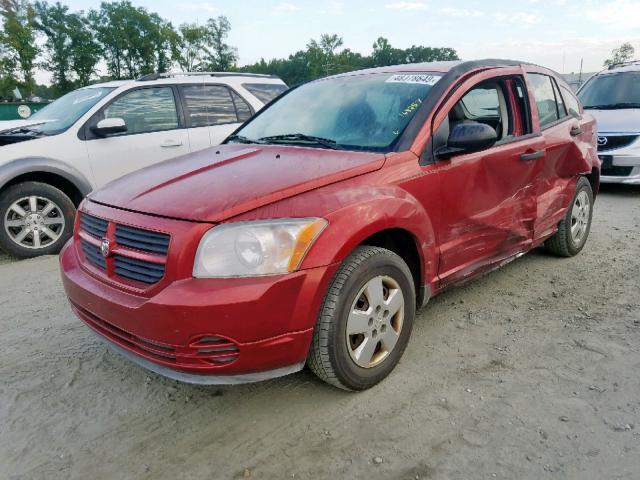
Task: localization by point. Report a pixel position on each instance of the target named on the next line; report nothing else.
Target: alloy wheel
(34, 222)
(375, 321)
(580, 217)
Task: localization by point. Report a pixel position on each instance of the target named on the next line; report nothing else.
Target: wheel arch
(53, 172)
(397, 223)
(594, 180)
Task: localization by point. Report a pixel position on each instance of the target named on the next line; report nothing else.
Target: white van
(96, 134)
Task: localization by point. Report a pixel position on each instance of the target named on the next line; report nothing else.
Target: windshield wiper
(242, 139)
(613, 106)
(297, 138)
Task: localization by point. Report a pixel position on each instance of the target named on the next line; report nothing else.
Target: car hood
(6, 125)
(218, 183)
(625, 120)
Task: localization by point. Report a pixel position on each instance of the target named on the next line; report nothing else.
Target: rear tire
(35, 219)
(574, 228)
(365, 320)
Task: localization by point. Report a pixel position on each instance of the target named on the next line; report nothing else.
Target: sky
(553, 33)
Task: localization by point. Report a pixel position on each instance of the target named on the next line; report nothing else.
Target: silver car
(613, 97)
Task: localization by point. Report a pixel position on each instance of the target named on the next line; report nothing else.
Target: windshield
(612, 90)
(65, 111)
(356, 112)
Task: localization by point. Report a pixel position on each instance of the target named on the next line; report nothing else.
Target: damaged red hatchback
(321, 225)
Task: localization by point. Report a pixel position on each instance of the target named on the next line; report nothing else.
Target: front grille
(93, 225)
(138, 270)
(615, 141)
(144, 240)
(616, 171)
(93, 254)
(138, 255)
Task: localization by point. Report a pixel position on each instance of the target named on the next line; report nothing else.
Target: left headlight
(265, 247)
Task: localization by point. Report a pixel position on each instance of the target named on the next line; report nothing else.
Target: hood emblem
(602, 141)
(105, 247)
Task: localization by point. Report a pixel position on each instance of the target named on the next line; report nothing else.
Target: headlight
(246, 249)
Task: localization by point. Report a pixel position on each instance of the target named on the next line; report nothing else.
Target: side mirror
(467, 137)
(109, 126)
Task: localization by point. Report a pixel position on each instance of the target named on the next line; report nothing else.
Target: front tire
(365, 320)
(36, 219)
(574, 228)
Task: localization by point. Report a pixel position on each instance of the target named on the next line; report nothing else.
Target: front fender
(385, 208)
(21, 166)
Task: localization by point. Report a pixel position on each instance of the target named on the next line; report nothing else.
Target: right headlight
(264, 247)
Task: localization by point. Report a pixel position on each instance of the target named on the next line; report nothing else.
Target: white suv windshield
(612, 91)
(355, 112)
(64, 112)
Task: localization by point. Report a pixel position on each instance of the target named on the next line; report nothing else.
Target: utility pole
(580, 74)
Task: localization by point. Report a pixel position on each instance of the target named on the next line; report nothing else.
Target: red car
(317, 230)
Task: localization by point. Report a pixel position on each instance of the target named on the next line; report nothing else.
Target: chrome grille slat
(93, 255)
(138, 270)
(93, 225)
(144, 240)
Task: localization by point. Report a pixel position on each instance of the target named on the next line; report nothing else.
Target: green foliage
(620, 55)
(134, 42)
(18, 40)
(218, 55)
(322, 58)
(188, 49)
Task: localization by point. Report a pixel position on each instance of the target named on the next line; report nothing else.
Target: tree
(52, 21)
(86, 52)
(18, 39)
(322, 57)
(188, 50)
(219, 56)
(134, 42)
(620, 55)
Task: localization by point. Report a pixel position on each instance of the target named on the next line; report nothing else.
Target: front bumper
(624, 169)
(253, 328)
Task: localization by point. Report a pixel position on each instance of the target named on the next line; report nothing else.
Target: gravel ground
(530, 372)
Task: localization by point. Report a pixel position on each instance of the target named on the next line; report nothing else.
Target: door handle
(575, 131)
(532, 155)
(171, 143)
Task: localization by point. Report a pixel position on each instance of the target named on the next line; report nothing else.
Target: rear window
(265, 92)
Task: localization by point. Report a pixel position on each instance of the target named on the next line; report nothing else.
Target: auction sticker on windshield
(414, 78)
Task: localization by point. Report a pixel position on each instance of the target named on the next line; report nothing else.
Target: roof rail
(157, 76)
(623, 64)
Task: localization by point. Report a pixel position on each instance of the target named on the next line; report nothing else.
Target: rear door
(560, 130)
(212, 113)
(487, 197)
(154, 133)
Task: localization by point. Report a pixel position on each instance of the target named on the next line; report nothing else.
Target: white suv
(96, 134)
(613, 97)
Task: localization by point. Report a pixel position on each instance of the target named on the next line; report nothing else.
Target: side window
(562, 110)
(145, 110)
(221, 108)
(242, 108)
(498, 103)
(544, 95)
(265, 92)
(208, 105)
(481, 102)
(573, 107)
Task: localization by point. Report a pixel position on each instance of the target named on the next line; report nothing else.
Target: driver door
(154, 133)
(488, 197)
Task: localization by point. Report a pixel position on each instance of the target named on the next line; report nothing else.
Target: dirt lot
(530, 372)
